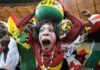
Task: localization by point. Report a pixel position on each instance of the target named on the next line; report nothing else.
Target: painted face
(47, 37)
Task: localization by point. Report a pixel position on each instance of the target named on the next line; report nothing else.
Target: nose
(46, 33)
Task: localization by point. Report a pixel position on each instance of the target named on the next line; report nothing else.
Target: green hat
(49, 10)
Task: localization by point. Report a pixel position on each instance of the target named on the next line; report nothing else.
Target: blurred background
(20, 8)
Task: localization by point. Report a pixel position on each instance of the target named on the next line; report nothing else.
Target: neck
(48, 55)
(57, 59)
(47, 59)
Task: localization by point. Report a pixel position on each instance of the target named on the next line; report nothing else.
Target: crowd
(56, 40)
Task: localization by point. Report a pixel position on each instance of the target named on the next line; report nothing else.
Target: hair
(5, 29)
(5, 24)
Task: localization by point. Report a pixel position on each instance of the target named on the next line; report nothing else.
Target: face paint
(47, 37)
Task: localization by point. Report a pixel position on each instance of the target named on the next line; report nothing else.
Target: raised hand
(85, 12)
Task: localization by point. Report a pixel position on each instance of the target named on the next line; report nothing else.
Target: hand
(31, 26)
(85, 12)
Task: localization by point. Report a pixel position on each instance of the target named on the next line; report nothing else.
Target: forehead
(47, 26)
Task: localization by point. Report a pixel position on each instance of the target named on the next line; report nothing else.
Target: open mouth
(46, 42)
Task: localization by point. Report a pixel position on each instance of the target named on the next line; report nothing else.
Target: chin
(46, 48)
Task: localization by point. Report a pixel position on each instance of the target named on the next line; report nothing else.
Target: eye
(51, 30)
(41, 30)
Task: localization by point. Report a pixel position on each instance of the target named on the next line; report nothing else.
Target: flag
(15, 32)
(28, 61)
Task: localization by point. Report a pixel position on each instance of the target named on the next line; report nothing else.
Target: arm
(26, 39)
(77, 27)
(25, 20)
(85, 13)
